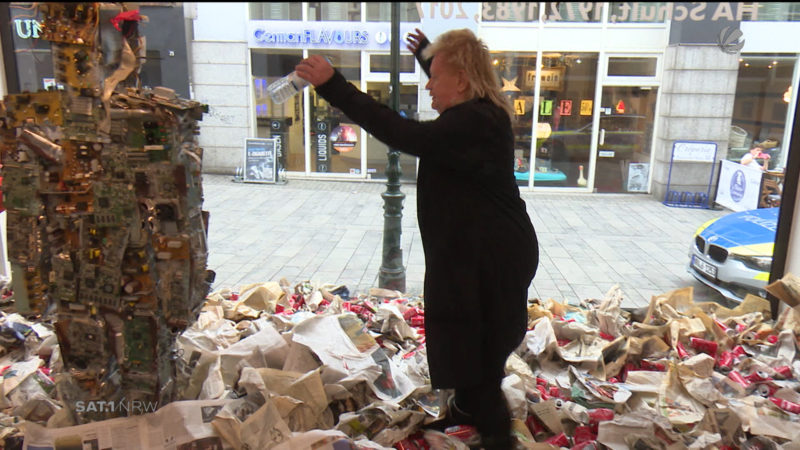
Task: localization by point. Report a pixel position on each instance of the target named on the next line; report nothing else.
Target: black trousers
(490, 414)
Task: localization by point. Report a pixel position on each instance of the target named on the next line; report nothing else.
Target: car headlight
(762, 263)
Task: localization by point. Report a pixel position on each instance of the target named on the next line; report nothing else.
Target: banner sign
(739, 187)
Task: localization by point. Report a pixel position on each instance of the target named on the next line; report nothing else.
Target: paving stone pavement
(332, 232)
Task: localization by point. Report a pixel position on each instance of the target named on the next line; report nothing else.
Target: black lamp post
(393, 274)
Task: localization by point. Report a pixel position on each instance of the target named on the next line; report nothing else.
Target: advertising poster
(260, 160)
(739, 186)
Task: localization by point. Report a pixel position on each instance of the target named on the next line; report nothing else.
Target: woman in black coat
(481, 251)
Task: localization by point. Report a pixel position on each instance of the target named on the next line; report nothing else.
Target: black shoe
(453, 416)
(457, 413)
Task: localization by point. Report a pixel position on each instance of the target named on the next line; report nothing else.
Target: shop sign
(586, 107)
(371, 36)
(552, 78)
(343, 138)
(259, 160)
(27, 28)
(739, 186)
(519, 107)
(565, 108)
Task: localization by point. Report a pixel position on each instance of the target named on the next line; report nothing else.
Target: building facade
(603, 92)
(618, 85)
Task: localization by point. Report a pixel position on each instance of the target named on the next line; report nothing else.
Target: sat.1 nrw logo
(729, 40)
(737, 186)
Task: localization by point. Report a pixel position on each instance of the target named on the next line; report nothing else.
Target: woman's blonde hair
(462, 50)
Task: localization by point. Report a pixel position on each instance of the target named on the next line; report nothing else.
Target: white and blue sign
(739, 187)
(260, 157)
(371, 36)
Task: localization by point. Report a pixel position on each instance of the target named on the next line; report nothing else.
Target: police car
(733, 254)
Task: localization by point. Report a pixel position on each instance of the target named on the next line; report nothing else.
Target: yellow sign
(519, 107)
(586, 107)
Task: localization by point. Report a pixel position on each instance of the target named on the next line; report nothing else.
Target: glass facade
(281, 121)
(761, 105)
(565, 117)
(588, 127)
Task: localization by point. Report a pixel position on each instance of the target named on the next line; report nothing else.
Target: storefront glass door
(627, 117)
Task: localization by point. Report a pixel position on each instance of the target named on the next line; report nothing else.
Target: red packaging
(613, 380)
(786, 405)
(461, 432)
(555, 391)
(543, 392)
(757, 376)
(725, 361)
(738, 351)
(598, 415)
(772, 338)
(562, 342)
(279, 309)
(682, 353)
(740, 327)
(704, 345)
(737, 377)
(653, 366)
(411, 312)
(417, 321)
(767, 389)
(583, 433)
(536, 428)
(559, 440)
(606, 336)
(234, 296)
(784, 372)
(541, 381)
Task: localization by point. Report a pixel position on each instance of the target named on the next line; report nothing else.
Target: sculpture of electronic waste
(102, 184)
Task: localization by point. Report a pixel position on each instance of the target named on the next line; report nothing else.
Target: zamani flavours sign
(323, 35)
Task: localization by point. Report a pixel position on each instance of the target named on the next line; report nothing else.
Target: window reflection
(516, 72)
(565, 107)
(281, 121)
(335, 141)
(759, 108)
(334, 11)
(376, 150)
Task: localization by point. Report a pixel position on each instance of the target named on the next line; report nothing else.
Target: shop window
(760, 108)
(334, 11)
(632, 67)
(510, 12)
(281, 121)
(639, 12)
(276, 11)
(517, 75)
(564, 130)
(771, 11)
(383, 63)
(573, 11)
(382, 12)
(335, 140)
(377, 151)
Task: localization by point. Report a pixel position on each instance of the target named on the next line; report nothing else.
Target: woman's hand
(315, 69)
(413, 40)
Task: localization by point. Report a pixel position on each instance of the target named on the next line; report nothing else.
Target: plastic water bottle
(286, 87)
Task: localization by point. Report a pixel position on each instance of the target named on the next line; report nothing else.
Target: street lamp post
(393, 273)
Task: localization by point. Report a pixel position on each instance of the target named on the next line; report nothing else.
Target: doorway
(623, 156)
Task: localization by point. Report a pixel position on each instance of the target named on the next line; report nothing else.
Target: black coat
(480, 247)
